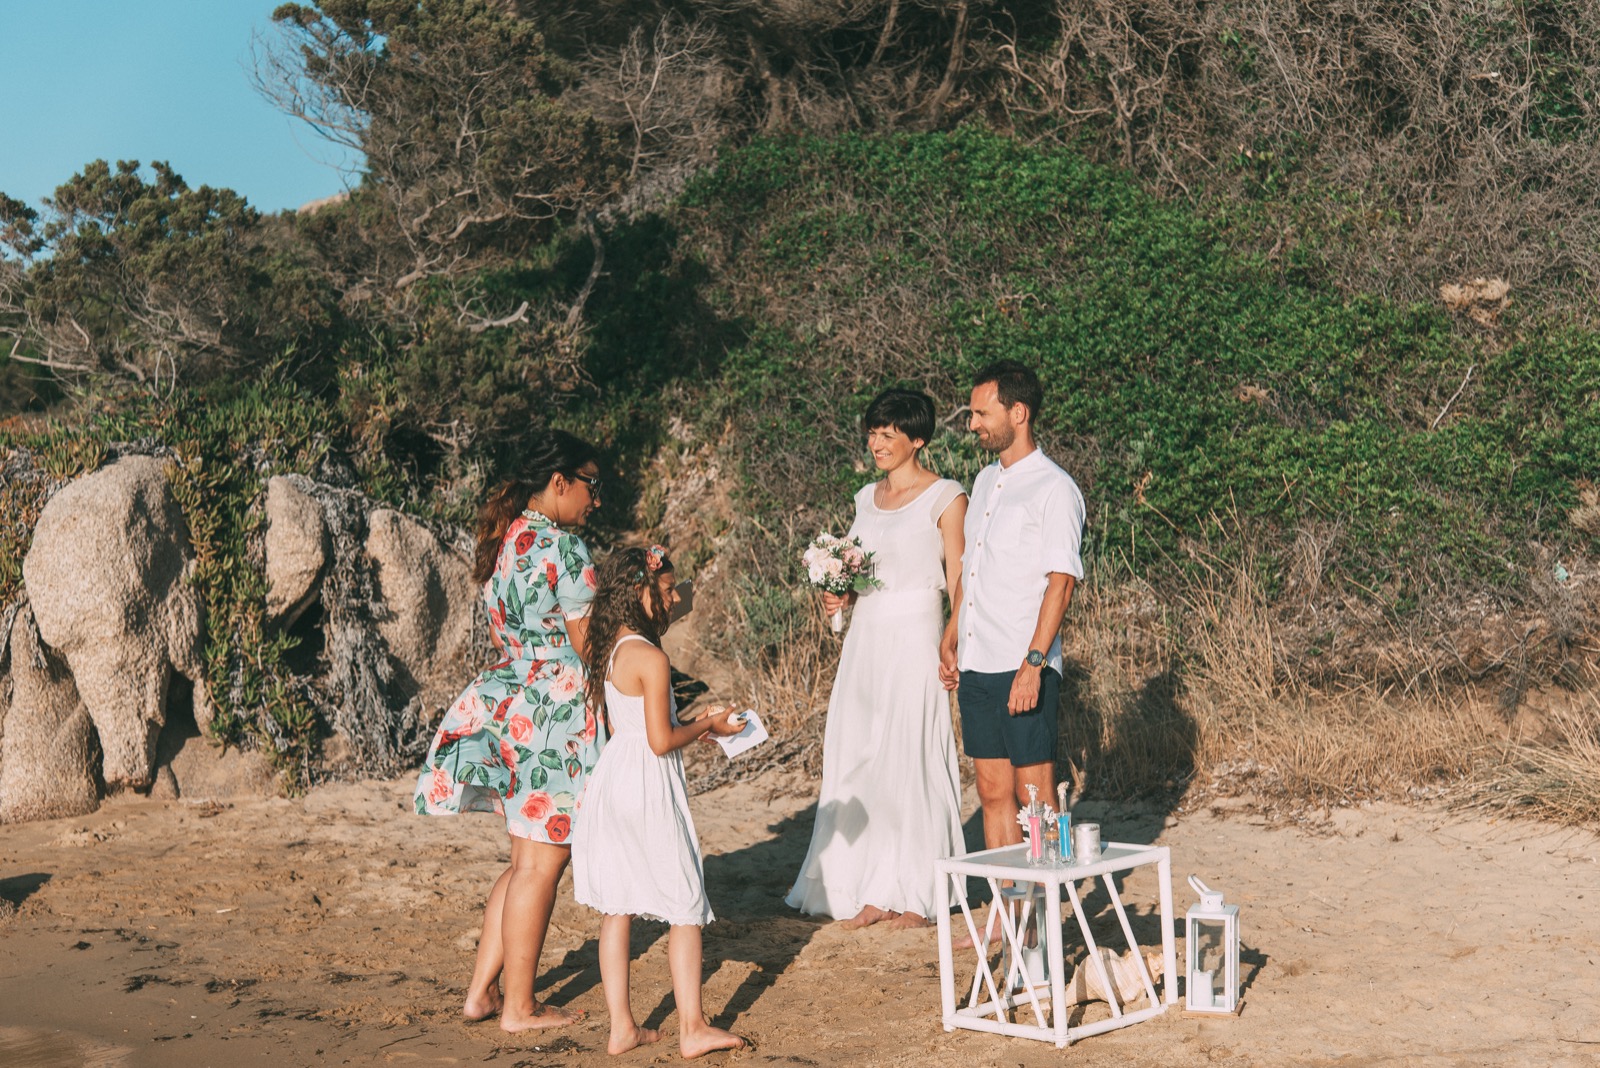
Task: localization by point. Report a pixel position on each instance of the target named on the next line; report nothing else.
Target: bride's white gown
(890, 801)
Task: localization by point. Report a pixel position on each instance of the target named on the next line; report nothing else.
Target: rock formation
(108, 579)
(111, 618)
(46, 738)
(431, 605)
(297, 548)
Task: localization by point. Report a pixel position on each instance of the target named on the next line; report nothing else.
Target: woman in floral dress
(519, 740)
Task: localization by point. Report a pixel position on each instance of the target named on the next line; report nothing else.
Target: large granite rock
(108, 578)
(46, 738)
(297, 548)
(431, 606)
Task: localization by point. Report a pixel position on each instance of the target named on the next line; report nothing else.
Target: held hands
(949, 675)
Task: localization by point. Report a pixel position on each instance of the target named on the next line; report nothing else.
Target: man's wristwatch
(1035, 658)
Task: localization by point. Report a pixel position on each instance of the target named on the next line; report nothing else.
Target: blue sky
(150, 80)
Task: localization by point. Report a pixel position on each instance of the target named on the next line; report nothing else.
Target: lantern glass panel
(1208, 973)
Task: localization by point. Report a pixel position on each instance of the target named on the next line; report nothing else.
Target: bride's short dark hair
(909, 411)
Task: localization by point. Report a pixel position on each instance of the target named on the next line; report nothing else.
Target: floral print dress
(520, 739)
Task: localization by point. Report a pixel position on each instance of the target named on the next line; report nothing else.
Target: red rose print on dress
(440, 788)
(566, 683)
(521, 728)
(558, 827)
(551, 575)
(525, 541)
(507, 755)
(537, 807)
(588, 578)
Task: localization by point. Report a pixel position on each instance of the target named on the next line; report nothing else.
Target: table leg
(1058, 965)
(1094, 953)
(1127, 932)
(1169, 956)
(947, 964)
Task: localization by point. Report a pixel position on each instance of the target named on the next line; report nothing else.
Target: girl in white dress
(891, 796)
(634, 851)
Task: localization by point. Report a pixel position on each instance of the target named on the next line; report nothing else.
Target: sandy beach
(338, 929)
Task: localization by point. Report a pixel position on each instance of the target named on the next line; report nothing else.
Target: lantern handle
(1209, 898)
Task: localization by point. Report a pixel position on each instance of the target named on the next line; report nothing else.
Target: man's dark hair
(1016, 383)
(909, 411)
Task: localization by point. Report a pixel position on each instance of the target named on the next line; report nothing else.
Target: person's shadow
(746, 888)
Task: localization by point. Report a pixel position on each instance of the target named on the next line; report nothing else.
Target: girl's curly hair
(619, 579)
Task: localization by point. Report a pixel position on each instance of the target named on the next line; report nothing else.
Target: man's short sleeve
(575, 581)
(1064, 515)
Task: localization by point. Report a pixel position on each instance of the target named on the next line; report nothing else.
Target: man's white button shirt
(1024, 522)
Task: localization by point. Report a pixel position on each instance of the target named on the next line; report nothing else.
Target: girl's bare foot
(703, 1040)
(543, 1016)
(481, 1006)
(908, 919)
(869, 915)
(631, 1039)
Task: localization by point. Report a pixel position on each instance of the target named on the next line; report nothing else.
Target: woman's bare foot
(482, 1006)
(707, 1039)
(869, 915)
(632, 1039)
(908, 919)
(543, 1016)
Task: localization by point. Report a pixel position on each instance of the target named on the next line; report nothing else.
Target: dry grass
(1556, 780)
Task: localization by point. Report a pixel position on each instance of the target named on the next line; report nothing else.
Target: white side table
(992, 999)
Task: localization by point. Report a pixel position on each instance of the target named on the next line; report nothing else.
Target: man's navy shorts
(990, 732)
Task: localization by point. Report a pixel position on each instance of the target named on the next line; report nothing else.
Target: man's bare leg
(997, 796)
(1041, 775)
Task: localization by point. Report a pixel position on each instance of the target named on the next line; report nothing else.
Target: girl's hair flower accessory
(653, 557)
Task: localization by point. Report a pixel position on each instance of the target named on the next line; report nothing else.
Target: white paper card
(753, 734)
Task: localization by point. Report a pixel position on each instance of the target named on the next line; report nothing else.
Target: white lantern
(1211, 951)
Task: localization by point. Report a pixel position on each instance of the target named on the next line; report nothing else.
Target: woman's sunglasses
(592, 481)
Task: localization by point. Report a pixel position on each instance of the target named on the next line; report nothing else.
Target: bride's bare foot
(543, 1016)
(868, 916)
(482, 1006)
(631, 1039)
(707, 1039)
(908, 919)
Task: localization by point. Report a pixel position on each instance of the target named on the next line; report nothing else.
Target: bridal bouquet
(838, 565)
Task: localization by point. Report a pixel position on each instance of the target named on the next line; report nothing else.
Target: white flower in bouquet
(838, 566)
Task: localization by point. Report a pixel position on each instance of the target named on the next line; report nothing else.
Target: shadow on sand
(746, 888)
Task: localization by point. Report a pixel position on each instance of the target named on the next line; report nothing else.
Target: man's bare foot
(638, 1036)
(908, 919)
(869, 915)
(705, 1040)
(543, 1016)
(481, 1007)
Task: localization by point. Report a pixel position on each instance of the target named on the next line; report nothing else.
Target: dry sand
(339, 928)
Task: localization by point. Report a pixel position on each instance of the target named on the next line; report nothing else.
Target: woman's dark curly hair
(557, 452)
(619, 578)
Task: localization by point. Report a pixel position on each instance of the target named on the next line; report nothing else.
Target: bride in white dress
(890, 800)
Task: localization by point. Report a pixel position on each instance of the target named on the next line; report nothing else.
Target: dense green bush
(1186, 384)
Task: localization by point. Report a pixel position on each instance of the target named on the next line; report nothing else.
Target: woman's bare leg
(615, 954)
(695, 1036)
(530, 898)
(483, 995)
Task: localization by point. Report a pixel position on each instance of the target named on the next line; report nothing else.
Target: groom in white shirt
(1002, 647)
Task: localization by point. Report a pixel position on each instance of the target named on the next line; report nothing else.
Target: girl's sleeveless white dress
(890, 803)
(634, 849)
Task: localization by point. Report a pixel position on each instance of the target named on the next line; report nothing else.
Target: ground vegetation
(1311, 286)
